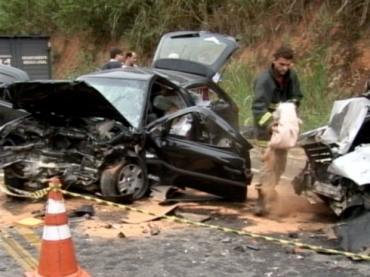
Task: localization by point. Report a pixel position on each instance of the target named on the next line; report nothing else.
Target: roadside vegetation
(321, 31)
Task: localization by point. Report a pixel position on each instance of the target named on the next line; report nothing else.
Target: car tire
(352, 212)
(13, 182)
(128, 177)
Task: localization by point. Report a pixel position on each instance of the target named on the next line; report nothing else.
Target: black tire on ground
(352, 212)
(13, 182)
(129, 177)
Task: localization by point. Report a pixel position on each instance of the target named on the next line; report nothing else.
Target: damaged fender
(354, 166)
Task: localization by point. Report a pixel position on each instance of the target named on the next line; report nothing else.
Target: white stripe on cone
(54, 233)
(55, 207)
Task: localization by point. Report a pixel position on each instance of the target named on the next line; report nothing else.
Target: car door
(211, 96)
(201, 53)
(185, 145)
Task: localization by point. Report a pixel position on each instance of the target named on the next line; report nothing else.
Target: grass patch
(238, 83)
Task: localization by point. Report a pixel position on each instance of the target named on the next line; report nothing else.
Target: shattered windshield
(127, 96)
(204, 50)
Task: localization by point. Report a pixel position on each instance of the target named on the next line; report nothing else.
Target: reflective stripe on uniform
(262, 143)
(294, 101)
(266, 117)
(273, 106)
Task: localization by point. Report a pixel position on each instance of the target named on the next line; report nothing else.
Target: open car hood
(201, 53)
(64, 98)
(346, 119)
(9, 74)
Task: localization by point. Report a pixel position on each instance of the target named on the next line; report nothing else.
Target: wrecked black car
(191, 60)
(105, 131)
(99, 133)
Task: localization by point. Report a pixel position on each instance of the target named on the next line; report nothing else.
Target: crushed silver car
(338, 159)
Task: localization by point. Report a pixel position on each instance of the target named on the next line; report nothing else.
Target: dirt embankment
(344, 51)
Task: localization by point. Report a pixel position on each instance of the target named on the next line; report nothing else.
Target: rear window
(204, 50)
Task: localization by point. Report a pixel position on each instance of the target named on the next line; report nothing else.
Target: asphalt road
(190, 251)
(194, 252)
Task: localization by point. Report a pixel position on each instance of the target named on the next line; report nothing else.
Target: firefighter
(279, 83)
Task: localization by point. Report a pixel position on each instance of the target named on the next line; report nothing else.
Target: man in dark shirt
(116, 59)
(276, 85)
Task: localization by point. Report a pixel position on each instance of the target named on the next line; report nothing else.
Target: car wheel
(13, 182)
(127, 178)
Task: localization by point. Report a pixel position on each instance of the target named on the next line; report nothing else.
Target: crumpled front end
(337, 165)
(34, 149)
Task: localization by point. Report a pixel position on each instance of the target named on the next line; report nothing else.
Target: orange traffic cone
(57, 255)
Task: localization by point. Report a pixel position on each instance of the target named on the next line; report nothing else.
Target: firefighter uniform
(269, 91)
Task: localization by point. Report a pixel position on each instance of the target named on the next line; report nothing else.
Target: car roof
(176, 77)
(146, 73)
(121, 73)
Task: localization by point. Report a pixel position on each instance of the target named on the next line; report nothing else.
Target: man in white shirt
(130, 59)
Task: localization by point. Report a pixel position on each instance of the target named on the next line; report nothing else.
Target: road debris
(298, 251)
(226, 240)
(85, 210)
(329, 232)
(162, 193)
(111, 226)
(136, 218)
(253, 247)
(38, 214)
(240, 248)
(293, 235)
(192, 216)
(29, 222)
(154, 230)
